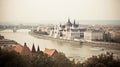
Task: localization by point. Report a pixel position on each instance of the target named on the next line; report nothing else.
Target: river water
(78, 51)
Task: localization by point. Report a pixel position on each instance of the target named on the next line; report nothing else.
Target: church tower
(38, 49)
(25, 44)
(33, 49)
(69, 20)
(25, 50)
(68, 24)
(74, 22)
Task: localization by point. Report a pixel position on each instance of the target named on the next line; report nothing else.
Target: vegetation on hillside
(13, 59)
(102, 60)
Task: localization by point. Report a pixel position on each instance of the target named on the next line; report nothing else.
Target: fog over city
(59, 33)
(58, 11)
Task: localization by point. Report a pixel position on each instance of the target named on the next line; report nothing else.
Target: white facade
(38, 28)
(71, 35)
(93, 35)
(55, 32)
(68, 31)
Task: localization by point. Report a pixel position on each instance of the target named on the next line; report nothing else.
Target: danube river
(78, 51)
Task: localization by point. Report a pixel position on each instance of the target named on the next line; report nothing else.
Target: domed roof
(68, 23)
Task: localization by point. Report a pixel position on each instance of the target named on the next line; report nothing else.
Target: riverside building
(94, 35)
(69, 31)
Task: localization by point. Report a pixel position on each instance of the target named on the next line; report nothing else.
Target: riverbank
(108, 45)
(7, 41)
(55, 39)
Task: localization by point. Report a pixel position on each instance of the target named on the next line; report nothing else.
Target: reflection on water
(70, 49)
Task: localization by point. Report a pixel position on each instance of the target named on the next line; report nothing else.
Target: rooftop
(50, 52)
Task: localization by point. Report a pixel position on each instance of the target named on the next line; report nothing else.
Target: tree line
(14, 59)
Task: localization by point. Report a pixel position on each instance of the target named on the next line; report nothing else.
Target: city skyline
(55, 22)
(57, 11)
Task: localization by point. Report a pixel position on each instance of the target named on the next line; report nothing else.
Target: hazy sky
(28, 11)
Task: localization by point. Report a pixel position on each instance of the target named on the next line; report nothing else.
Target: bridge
(17, 27)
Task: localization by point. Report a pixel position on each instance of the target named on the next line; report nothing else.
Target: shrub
(103, 60)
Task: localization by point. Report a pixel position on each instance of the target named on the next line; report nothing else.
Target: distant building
(33, 49)
(50, 52)
(38, 49)
(69, 31)
(6, 43)
(25, 50)
(115, 36)
(44, 29)
(1, 37)
(93, 35)
(107, 36)
(18, 48)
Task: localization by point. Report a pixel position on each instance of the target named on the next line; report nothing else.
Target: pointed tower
(25, 44)
(38, 49)
(68, 20)
(25, 50)
(74, 22)
(68, 24)
(33, 49)
(60, 25)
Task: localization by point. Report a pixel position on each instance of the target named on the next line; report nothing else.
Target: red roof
(25, 50)
(17, 48)
(50, 52)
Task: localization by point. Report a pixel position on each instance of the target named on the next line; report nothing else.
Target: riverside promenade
(109, 45)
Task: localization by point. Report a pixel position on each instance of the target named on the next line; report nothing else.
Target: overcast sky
(28, 11)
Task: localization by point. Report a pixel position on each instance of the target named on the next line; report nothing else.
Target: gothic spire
(25, 44)
(38, 49)
(33, 49)
(60, 25)
(68, 20)
(74, 22)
